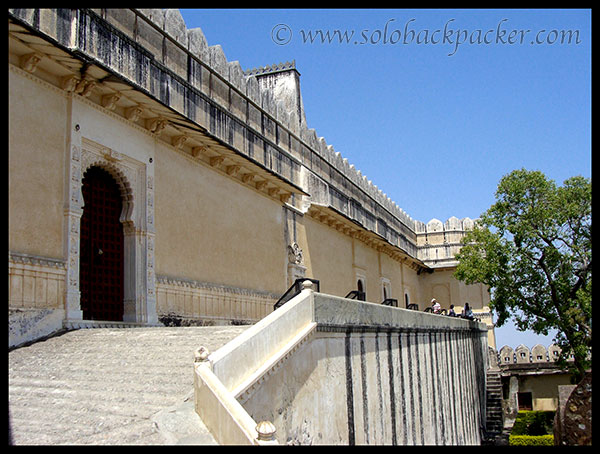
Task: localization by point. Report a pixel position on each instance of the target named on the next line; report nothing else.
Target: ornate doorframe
(101, 248)
(136, 184)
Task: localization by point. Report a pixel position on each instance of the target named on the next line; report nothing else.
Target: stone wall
(438, 243)
(36, 287)
(218, 171)
(35, 282)
(365, 374)
(185, 302)
(154, 51)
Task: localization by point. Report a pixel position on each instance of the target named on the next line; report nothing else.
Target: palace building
(153, 181)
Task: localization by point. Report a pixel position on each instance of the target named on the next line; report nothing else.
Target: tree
(533, 249)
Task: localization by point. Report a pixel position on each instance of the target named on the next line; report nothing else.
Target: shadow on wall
(349, 372)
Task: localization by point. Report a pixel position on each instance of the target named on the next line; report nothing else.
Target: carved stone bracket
(110, 101)
(29, 62)
(156, 125)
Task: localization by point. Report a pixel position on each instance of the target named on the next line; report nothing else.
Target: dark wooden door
(101, 246)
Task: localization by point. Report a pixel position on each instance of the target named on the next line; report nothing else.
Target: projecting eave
(158, 113)
(333, 218)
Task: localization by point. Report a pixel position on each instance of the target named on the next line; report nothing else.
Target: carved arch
(137, 217)
(123, 177)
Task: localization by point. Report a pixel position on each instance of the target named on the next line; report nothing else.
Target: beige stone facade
(227, 197)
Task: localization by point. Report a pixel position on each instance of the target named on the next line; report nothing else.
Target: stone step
(493, 409)
(125, 396)
(105, 385)
(497, 419)
(494, 423)
(134, 431)
(494, 414)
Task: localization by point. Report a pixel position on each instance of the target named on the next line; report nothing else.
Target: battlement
(438, 242)
(258, 113)
(523, 355)
(171, 21)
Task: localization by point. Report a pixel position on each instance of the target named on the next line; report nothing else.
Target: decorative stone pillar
(131, 239)
(73, 210)
(201, 355)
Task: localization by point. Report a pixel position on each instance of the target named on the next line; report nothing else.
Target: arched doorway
(101, 247)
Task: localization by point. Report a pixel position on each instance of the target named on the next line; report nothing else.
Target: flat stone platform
(110, 386)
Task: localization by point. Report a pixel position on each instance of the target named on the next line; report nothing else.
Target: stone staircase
(494, 418)
(110, 386)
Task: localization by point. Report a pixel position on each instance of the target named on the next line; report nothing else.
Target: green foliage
(533, 423)
(533, 249)
(531, 440)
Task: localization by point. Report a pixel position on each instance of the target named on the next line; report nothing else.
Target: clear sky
(433, 106)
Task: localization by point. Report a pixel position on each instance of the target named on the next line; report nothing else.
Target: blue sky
(434, 119)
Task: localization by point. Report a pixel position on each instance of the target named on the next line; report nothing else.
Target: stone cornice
(27, 259)
(211, 286)
(163, 77)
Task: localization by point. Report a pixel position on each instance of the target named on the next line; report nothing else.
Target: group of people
(466, 312)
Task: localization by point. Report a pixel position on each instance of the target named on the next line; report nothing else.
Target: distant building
(530, 378)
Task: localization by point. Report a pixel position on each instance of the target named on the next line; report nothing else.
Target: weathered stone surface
(156, 15)
(25, 325)
(389, 376)
(175, 26)
(576, 426)
(218, 61)
(564, 391)
(110, 386)
(197, 44)
(236, 75)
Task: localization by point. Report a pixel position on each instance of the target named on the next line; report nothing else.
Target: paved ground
(110, 386)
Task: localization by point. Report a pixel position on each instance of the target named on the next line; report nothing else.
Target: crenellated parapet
(260, 86)
(250, 124)
(438, 243)
(523, 355)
